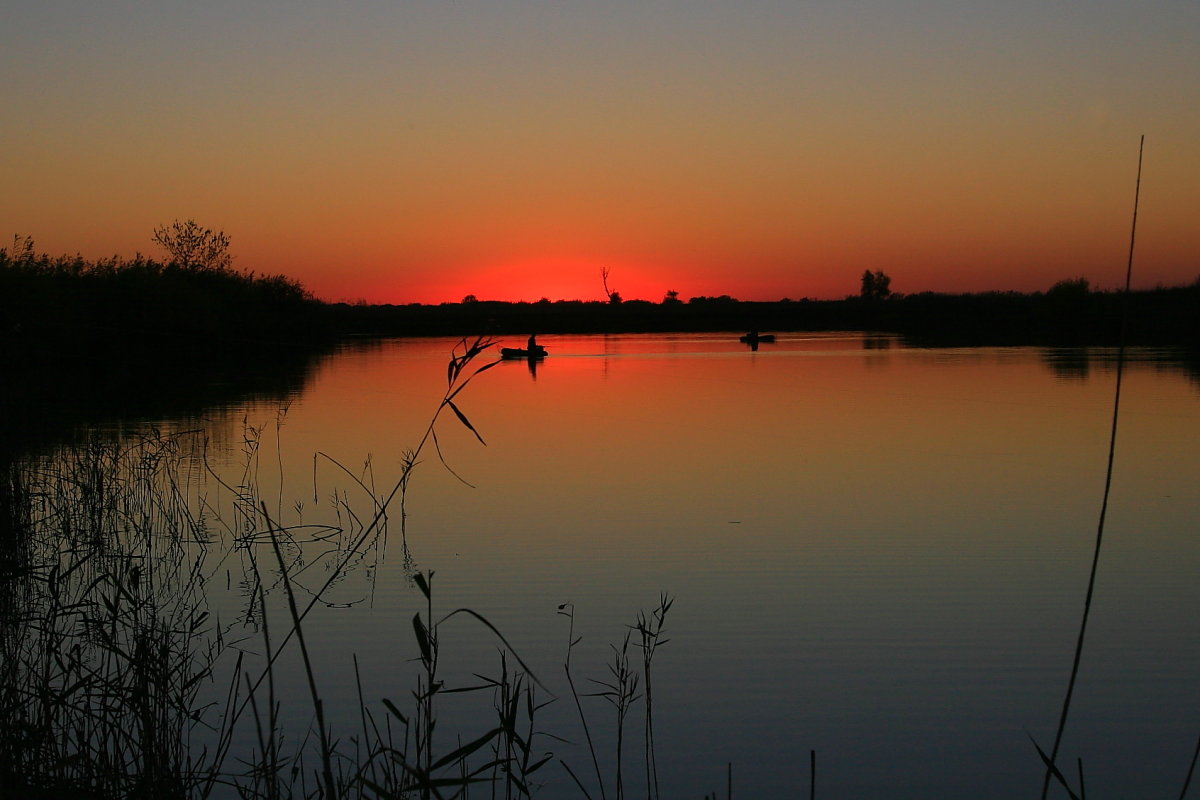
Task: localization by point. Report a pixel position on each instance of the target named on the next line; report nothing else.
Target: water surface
(878, 553)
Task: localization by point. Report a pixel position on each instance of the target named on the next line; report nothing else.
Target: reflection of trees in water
(1068, 363)
(1078, 363)
(881, 345)
(1179, 362)
(52, 402)
(877, 341)
(1189, 364)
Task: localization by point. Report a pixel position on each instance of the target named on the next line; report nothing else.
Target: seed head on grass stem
(649, 629)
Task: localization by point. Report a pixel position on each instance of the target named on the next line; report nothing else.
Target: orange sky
(421, 152)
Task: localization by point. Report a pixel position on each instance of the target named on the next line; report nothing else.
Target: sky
(400, 152)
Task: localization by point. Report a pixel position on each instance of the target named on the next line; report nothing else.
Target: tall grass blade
(1053, 770)
(463, 419)
(1187, 781)
(496, 632)
(1112, 446)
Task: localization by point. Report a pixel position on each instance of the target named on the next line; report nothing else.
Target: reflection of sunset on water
(850, 527)
(606, 413)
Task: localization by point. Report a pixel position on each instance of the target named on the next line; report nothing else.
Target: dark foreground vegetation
(88, 343)
(116, 682)
(81, 308)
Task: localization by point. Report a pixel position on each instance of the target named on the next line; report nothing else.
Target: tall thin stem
(455, 384)
(318, 705)
(1112, 446)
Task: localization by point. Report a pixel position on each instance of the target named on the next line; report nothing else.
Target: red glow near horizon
(581, 278)
(536, 278)
(533, 279)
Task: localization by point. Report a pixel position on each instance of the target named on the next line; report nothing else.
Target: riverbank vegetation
(118, 679)
(78, 308)
(1066, 314)
(88, 343)
(195, 300)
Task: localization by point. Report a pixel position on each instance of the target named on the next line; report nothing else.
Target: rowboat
(515, 352)
(751, 338)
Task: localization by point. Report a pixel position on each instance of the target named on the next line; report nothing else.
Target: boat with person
(520, 352)
(532, 350)
(754, 337)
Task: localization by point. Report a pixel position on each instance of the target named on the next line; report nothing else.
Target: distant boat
(754, 338)
(515, 352)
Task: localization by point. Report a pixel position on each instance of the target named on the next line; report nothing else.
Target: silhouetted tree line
(84, 343)
(196, 299)
(70, 306)
(1067, 314)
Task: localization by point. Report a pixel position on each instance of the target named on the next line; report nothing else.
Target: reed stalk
(110, 574)
(650, 630)
(1051, 760)
(568, 611)
(318, 705)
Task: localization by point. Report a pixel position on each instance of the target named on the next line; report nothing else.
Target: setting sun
(403, 153)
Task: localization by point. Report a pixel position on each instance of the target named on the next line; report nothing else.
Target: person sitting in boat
(531, 345)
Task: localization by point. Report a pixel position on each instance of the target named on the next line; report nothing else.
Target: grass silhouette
(108, 647)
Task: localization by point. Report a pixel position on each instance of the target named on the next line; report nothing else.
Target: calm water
(877, 553)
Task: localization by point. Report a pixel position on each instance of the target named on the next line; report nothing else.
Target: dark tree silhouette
(613, 296)
(191, 246)
(875, 285)
(1071, 287)
(883, 285)
(867, 290)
